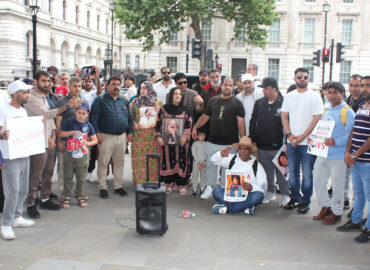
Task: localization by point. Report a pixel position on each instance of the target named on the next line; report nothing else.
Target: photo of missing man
(172, 130)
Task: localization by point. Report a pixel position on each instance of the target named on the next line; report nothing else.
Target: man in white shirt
(165, 85)
(248, 97)
(300, 112)
(16, 172)
(88, 94)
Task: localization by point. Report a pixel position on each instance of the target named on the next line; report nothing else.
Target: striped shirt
(361, 132)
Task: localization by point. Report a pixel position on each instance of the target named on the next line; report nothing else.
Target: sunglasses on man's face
(183, 82)
(166, 72)
(304, 77)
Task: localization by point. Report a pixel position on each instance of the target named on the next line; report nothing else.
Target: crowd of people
(205, 134)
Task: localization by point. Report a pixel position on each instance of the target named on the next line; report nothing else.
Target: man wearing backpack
(333, 166)
(242, 162)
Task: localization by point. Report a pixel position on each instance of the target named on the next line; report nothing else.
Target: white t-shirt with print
(88, 97)
(301, 108)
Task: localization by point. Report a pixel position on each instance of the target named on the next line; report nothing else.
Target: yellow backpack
(343, 115)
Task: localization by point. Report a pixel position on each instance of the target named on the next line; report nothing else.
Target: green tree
(143, 19)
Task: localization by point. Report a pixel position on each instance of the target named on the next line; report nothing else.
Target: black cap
(28, 80)
(268, 81)
(205, 71)
(52, 69)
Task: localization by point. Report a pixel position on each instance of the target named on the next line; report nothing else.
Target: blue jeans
(298, 156)
(361, 189)
(253, 199)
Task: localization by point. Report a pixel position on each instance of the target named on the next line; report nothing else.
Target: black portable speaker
(151, 206)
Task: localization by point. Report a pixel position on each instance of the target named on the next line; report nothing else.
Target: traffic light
(325, 55)
(196, 49)
(316, 60)
(340, 51)
(219, 67)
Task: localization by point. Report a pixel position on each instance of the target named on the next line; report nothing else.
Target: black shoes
(53, 196)
(350, 227)
(32, 212)
(363, 237)
(120, 191)
(50, 205)
(103, 193)
(291, 205)
(303, 207)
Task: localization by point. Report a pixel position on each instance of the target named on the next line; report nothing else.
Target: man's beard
(45, 90)
(216, 83)
(203, 82)
(88, 89)
(166, 78)
(248, 89)
(365, 96)
(304, 85)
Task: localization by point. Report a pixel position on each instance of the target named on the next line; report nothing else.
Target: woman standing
(144, 140)
(174, 156)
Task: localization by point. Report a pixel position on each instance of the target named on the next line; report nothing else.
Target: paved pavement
(103, 237)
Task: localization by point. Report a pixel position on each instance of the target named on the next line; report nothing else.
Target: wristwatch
(353, 155)
(288, 134)
(68, 107)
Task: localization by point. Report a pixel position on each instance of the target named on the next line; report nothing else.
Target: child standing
(198, 150)
(76, 132)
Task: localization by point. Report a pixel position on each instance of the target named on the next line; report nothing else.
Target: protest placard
(320, 133)
(281, 161)
(234, 191)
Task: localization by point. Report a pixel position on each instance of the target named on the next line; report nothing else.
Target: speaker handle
(148, 157)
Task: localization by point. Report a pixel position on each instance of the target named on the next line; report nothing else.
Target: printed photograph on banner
(234, 191)
(316, 140)
(172, 129)
(281, 162)
(148, 117)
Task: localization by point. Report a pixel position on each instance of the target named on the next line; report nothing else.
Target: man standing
(203, 81)
(248, 97)
(111, 118)
(253, 70)
(88, 93)
(355, 99)
(16, 171)
(226, 115)
(62, 90)
(165, 85)
(301, 110)
(358, 158)
(333, 166)
(238, 88)
(38, 106)
(266, 130)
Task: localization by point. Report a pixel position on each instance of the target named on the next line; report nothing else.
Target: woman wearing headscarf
(174, 156)
(144, 139)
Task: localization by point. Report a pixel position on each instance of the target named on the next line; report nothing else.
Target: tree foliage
(144, 19)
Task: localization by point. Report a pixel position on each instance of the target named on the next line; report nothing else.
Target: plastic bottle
(186, 214)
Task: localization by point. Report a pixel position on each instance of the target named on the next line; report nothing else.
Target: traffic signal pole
(323, 64)
(331, 59)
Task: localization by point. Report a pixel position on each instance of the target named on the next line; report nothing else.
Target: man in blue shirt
(111, 118)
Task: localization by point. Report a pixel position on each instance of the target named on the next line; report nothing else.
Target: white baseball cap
(247, 77)
(17, 86)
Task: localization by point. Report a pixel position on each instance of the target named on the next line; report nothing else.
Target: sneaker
(194, 194)
(219, 209)
(284, 200)
(103, 193)
(303, 207)
(90, 178)
(350, 227)
(291, 205)
(50, 205)
(346, 205)
(32, 212)
(269, 196)
(206, 193)
(53, 196)
(120, 191)
(7, 232)
(363, 237)
(249, 211)
(22, 222)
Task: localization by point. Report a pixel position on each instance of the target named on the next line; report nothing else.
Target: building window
(27, 46)
(273, 68)
(347, 1)
(174, 36)
(172, 64)
(307, 63)
(347, 31)
(88, 19)
(310, 1)
(345, 71)
(49, 6)
(309, 30)
(274, 34)
(107, 26)
(206, 29)
(77, 14)
(64, 14)
(98, 23)
(137, 61)
(128, 61)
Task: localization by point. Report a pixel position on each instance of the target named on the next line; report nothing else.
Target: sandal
(82, 202)
(169, 190)
(183, 191)
(86, 198)
(65, 202)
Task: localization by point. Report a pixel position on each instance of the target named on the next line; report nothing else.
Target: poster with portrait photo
(234, 191)
(148, 117)
(281, 162)
(172, 129)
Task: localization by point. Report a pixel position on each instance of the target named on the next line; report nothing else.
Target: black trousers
(1, 193)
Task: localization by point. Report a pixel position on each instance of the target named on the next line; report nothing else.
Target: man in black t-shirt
(226, 116)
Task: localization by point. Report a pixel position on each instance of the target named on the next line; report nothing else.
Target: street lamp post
(326, 9)
(108, 62)
(34, 9)
(112, 5)
(216, 58)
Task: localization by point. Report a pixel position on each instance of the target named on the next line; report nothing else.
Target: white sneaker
(7, 232)
(219, 209)
(269, 196)
(206, 193)
(284, 200)
(91, 178)
(22, 222)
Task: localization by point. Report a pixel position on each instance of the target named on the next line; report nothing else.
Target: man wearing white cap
(248, 97)
(16, 171)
